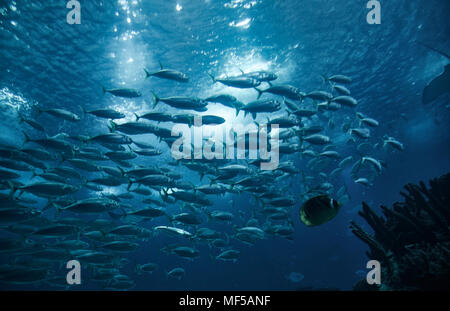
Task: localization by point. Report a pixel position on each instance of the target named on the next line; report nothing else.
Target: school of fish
(97, 198)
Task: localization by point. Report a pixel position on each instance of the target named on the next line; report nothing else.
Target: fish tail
(136, 115)
(258, 200)
(237, 110)
(170, 219)
(357, 167)
(316, 105)
(63, 158)
(301, 97)
(27, 138)
(121, 170)
(156, 99)
(114, 216)
(112, 128)
(259, 92)
(190, 122)
(147, 73)
(78, 230)
(13, 189)
(124, 213)
(164, 194)
(83, 182)
(325, 80)
(57, 210)
(83, 110)
(137, 269)
(300, 136)
(39, 109)
(212, 77)
(208, 215)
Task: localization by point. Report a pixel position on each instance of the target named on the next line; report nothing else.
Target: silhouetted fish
(439, 85)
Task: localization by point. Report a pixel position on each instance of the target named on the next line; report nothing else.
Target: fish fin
(270, 83)
(254, 115)
(160, 65)
(104, 90)
(242, 71)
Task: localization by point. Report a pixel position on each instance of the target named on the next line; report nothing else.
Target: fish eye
(29, 242)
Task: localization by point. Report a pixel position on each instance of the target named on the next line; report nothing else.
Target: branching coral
(412, 240)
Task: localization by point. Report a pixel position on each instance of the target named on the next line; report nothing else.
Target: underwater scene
(224, 145)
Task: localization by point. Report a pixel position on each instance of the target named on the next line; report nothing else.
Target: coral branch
(412, 241)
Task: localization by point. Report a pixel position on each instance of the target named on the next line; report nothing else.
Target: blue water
(45, 61)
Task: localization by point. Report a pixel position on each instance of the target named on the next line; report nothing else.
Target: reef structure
(412, 240)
